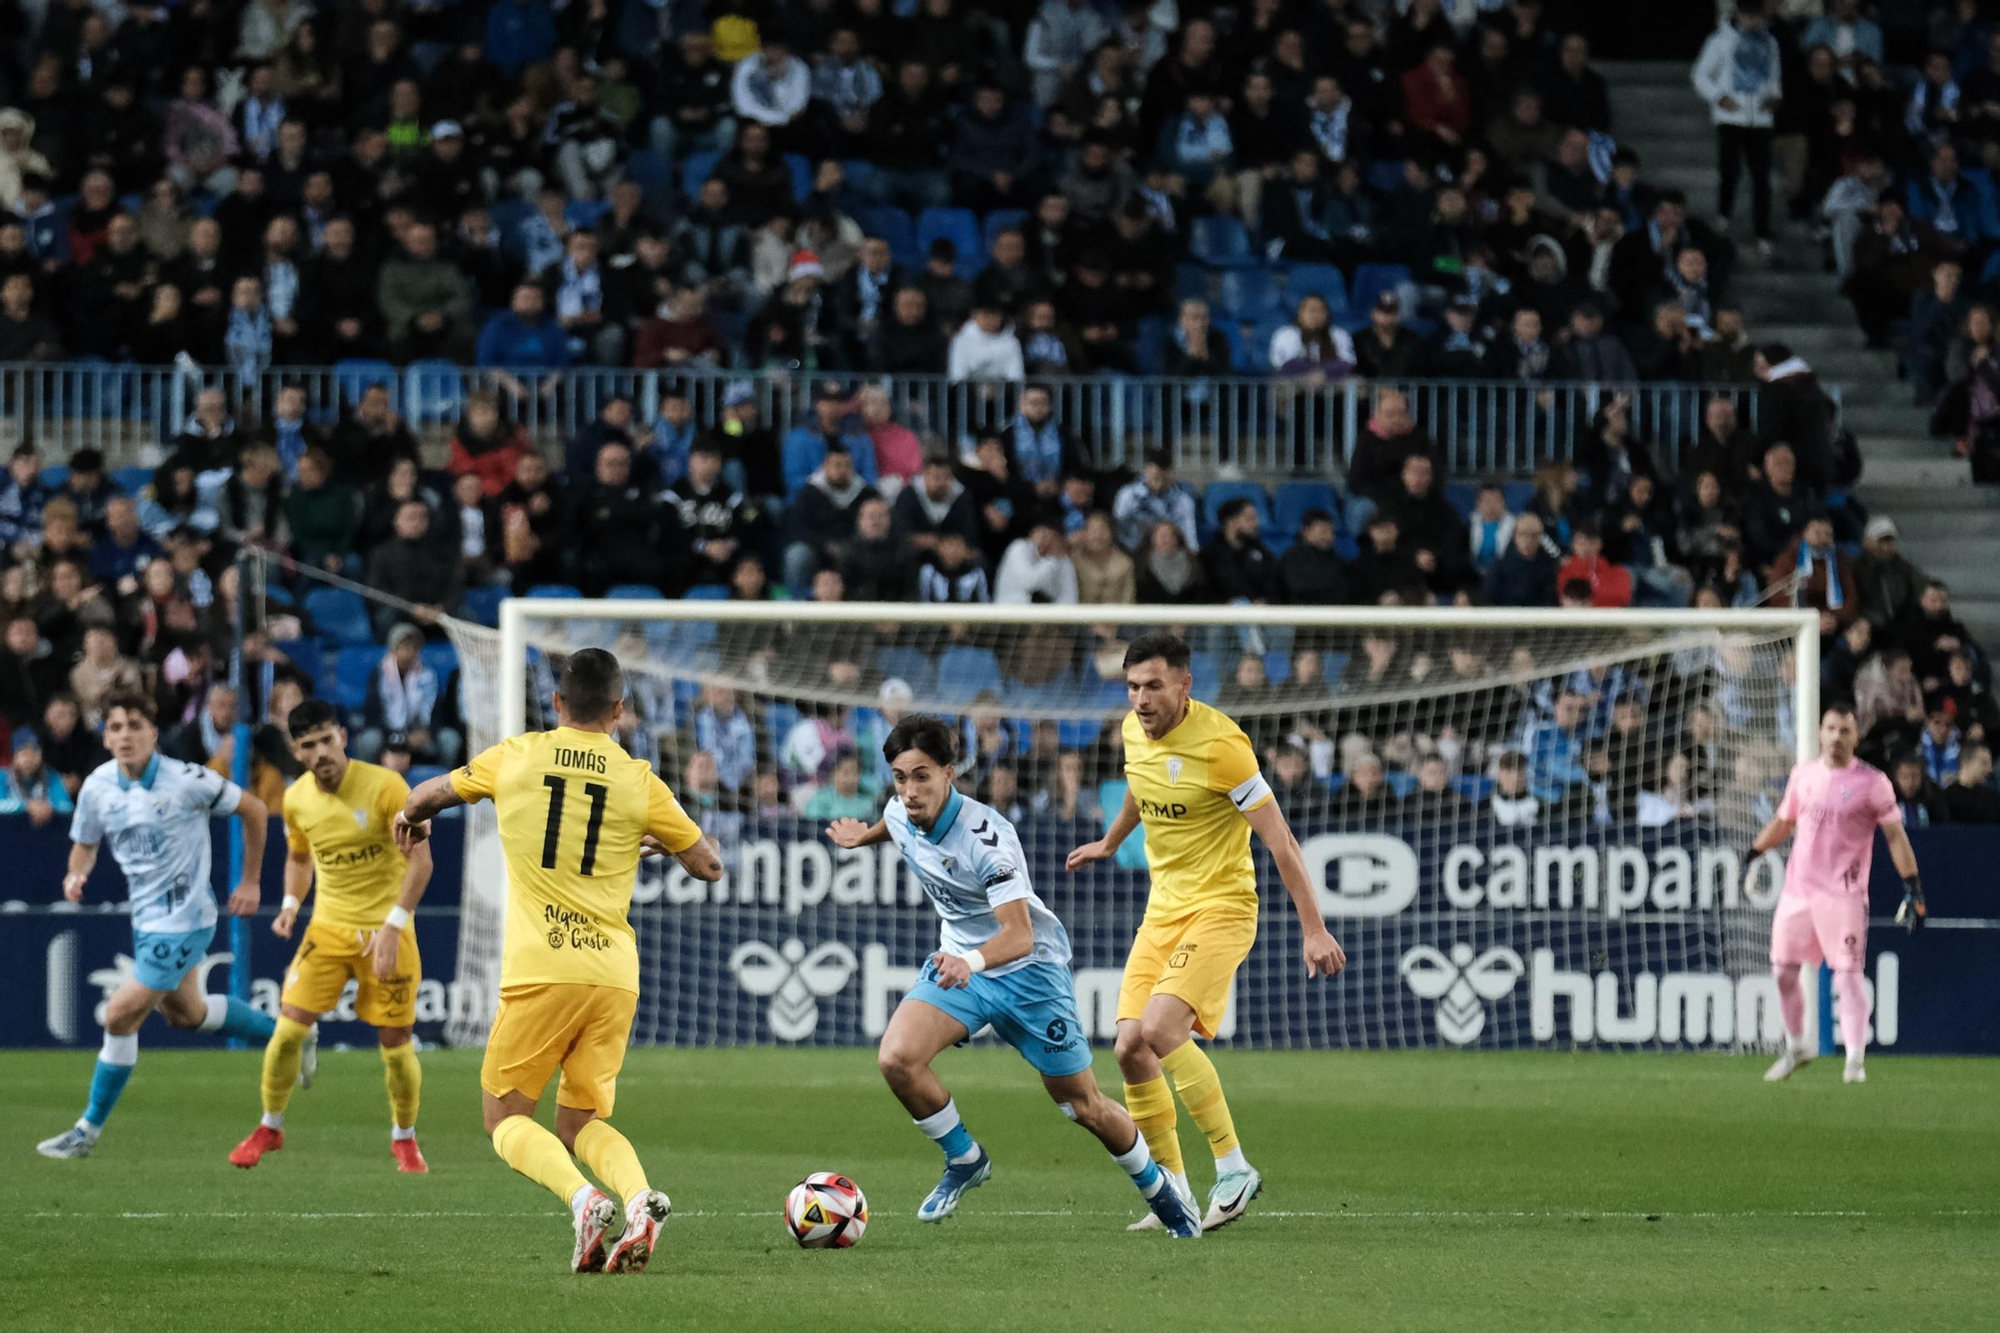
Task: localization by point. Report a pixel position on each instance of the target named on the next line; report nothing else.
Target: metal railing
(1258, 425)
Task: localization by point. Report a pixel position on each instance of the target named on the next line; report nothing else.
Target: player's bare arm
(1910, 915)
(1323, 954)
(1775, 834)
(703, 860)
(1114, 837)
(1015, 941)
(388, 940)
(82, 859)
(853, 833)
(299, 877)
(430, 799)
(256, 817)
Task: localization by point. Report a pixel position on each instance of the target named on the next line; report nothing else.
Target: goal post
(1526, 826)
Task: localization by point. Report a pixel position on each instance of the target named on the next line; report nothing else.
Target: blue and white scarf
(1203, 142)
(1836, 596)
(248, 342)
(1756, 57)
(281, 287)
(733, 742)
(1330, 129)
(407, 700)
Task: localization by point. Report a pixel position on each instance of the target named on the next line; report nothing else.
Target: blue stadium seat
(1220, 242)
(857, 172)
(351, 672)
(1401, 783)
(553, 590)
(508, 215)
(1220, 493)
(1277, 668)
(585, 212)
(802, 176)
(893, 225)
(1075, 734)
(340, 616)
(422, 773)
(696, 171)
(1150, 334)
(483, 604)
(307, 658)
(1109, 694)
(646, 169)
(708, 592)
(999, 220)
(1246, 353)
(358, 374)
(441, 658)
(1323, 280)
(1207, 673)
(132, 480)
(1518, 494)
(1191, 283)
(1296, 498)
(433, 391)
(634, 592)
(1386, 177)
(963, 672)
(1473, 787)
(1371, 280)
(1258, 346)
(54, 475)
(1461, 496)
(1250, 294)
(960, 226)
(908, 665)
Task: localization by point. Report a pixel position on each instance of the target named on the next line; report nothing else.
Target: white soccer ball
(826, 1211)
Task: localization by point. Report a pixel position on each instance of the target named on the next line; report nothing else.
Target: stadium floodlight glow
(1606, 896)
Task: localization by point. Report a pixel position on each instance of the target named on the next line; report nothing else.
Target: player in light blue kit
(156, 811)
(1003, 960)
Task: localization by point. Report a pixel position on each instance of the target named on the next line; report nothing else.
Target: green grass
(1405, 1191)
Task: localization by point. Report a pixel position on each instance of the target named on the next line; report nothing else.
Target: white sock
(1800, 1050)
(89, 1130)
(576, 1201)
(1136, 1158)
(120, 1049)
(1233, 1160)
(1180, 1179)
(939, 1125)
(398, 1133)
(218, 1010)
(274, 1120)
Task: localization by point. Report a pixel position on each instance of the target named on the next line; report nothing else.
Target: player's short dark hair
(1169, 648)
(309, 717)
(133, 701)
(592, 685)
(920, 731)
(1839, 706)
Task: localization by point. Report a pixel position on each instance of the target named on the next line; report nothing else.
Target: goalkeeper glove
(1910, 916)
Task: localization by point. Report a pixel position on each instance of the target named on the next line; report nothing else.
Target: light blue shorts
(163, 958)
(1033, 1010)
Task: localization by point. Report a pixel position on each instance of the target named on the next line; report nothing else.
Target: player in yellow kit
(576, 813)
(1192, 779)
(339, 820)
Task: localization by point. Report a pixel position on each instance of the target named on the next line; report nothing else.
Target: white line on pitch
(1357, 1214)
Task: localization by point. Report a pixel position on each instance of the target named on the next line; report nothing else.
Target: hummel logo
(993, 841)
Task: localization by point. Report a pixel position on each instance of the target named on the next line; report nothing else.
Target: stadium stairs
(1949, 526)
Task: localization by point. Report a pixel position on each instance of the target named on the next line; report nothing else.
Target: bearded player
(576, 812)
(1003, 960)
(1192, 780)
(1833, 804)
(339, 819)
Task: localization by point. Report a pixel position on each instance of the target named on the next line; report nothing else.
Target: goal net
(1524, 827)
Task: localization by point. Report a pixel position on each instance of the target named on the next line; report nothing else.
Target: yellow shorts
(329, 955)
(545, 1026)
(1192, 958)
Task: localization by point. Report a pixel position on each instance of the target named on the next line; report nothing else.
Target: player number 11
(552, 835)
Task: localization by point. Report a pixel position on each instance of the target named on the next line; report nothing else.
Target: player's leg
(1148, 1096)
(929, 1019)
(1083, 1101)
(186, 1007)
(530, 1034)
(585, 1099)
(389, 1004)
(1841, 926)
(1192, 997)
(319, 970)
(124, 1012)
(1794, 947)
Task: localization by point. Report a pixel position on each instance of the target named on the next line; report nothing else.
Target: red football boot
(409, 1157)
(262, 1139)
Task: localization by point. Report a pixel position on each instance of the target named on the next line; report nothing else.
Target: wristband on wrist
(399, 916)
(291, 904)
(974, 960)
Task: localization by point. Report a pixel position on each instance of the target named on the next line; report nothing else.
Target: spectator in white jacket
(1036, 568)
(1060, 39)
(985, 348)
(1739, 75)
(771, 87)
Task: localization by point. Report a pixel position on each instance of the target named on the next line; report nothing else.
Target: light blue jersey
(158, 830)
(969, 863)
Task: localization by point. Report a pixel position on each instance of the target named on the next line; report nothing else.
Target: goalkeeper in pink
(1833, 804)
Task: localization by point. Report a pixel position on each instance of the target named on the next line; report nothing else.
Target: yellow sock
(608, 1153)
(1152, 1108)
(1201, 1092)
(405, 1078)
(539, 1155)
(281, 1063)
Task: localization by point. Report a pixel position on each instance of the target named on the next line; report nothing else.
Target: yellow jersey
(1193, 786)
(572, 807)
(359, 868)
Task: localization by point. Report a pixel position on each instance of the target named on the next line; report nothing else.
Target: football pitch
(1403, 1191)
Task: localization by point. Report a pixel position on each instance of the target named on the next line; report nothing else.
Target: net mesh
(1519, 834)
